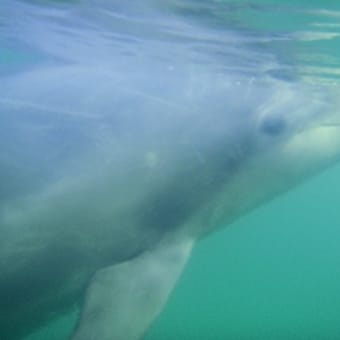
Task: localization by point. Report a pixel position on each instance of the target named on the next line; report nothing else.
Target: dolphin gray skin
(128, 132)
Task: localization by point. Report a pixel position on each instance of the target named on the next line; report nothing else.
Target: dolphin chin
(128, 133)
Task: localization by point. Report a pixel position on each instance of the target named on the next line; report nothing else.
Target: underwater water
(275, 273)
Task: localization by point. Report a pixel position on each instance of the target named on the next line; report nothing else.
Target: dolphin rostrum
(128, 132)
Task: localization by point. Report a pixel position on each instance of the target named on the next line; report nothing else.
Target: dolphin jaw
(316, 147)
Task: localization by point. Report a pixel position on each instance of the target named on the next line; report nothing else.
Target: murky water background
(274, 274)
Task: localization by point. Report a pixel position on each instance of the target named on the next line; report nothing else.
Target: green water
(275, 273)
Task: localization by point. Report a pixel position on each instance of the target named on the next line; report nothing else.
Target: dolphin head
(292, 134)
(299, 125)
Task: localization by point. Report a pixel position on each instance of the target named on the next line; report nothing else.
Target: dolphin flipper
(124, 299)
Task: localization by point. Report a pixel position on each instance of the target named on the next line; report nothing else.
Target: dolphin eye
(273, 126)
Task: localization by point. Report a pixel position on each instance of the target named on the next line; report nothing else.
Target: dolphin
(129, 132)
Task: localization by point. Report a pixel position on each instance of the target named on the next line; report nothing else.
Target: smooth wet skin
(118, 153)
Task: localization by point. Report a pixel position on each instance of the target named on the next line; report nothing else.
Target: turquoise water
(275, 273)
